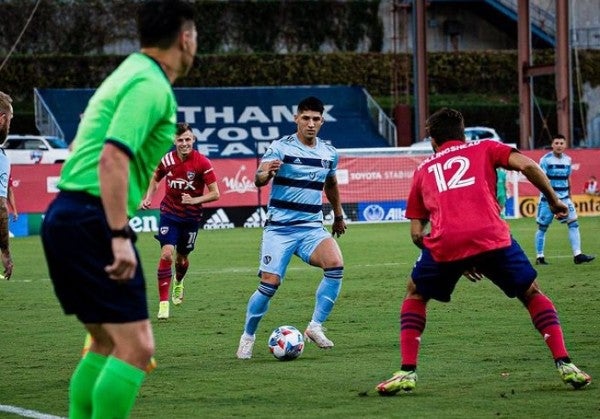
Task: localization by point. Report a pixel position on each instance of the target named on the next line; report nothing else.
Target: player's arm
(152, 188)
(12, 203)
(4, 249)
(266, 171)
(534, 173)
(417, 232)
(114, 181)
(332, 192)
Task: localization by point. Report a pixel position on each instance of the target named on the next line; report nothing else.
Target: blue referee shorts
(508, 268)
(77, 244)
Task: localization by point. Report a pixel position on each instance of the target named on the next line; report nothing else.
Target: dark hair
(446, 124)
(182, 127)
(311, 103)
(559, 137)
(160, 21)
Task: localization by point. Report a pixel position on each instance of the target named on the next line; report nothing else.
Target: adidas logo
(218, 220)
(297, 161)
(256, 219)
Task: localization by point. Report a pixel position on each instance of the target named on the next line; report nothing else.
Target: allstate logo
(373, 213)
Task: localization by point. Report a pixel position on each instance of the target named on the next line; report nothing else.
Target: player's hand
(473, 275)
(338, 227)
(146, 204)
(186, 198)
(125, 262)
(7, 263)
(560, 210)
(14, 216)
(272, 167)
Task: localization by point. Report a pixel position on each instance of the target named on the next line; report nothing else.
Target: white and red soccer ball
(286, 343)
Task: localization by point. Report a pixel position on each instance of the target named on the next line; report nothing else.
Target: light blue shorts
(279, 243)
(545, 216)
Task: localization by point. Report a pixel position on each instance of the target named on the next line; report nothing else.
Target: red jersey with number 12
(455, 189)
(184, 176)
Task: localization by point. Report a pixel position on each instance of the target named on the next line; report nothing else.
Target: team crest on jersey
(326, 164)
(164, 230)
(191, 176)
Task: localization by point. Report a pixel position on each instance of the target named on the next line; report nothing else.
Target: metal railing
(44, 118)
(385, 125)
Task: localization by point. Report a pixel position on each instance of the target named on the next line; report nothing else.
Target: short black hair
(182, 127)
(160, 21)
(311, 103)
(446, 124)
(559, 137)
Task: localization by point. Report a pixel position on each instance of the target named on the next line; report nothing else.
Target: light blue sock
(575, 237)
(258, 304)
(540, 239)
(327, 293)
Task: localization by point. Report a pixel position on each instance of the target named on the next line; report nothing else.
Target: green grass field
(480, 357)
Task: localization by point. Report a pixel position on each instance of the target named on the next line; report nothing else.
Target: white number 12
(456, 180)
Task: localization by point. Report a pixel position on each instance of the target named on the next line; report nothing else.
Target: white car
(471, 134)
(35, 149)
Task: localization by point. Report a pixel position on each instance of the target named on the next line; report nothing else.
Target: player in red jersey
(186, 173)
(454, 190)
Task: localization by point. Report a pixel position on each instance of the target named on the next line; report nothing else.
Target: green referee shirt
(134, 107)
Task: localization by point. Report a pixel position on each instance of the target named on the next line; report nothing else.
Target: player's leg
(168, 233)
(320, 249)
(276, 251)
(429, 279)
(119, 382)
(575, 237)
(544, 219)
(185, 245)
(511, 270)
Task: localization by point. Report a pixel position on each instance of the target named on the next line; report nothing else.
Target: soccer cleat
(163, 310)
(583, 258)
(542, 261)
(177, 294)
(401, 380)
(245, 349)
(570, 374)
(314, 333)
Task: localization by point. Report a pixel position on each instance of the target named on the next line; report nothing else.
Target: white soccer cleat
(245, 349)
(163, 310)
(314, 333)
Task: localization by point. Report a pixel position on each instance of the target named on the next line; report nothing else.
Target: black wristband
(338, 218)
(126, 232)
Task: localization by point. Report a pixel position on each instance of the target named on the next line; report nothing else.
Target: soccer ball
(286, 343)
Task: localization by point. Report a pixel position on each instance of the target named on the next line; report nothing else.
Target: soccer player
(186, 173)
(127, 126)
(301, 166)
(557, 166)
(453, 186)
(6, 114)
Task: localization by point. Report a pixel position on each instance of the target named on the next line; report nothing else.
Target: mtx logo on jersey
(382, 211)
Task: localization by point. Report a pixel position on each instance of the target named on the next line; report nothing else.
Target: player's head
(559, 144)
(184, 139)
(445, 125)
(6, 114)
(309, 118)
(164, 24)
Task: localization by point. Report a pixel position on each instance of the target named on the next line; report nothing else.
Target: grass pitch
(480, 356)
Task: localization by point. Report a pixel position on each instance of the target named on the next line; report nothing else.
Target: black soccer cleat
(542, 261)
(583, 258)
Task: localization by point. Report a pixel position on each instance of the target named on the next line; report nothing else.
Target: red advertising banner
(361, 179)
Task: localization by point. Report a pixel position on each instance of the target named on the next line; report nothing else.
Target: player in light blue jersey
(557, 166)
(302, 166)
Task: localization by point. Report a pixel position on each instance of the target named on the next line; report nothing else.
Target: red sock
(545, 319)
(181, 269)
(413, 316)
(164, 279)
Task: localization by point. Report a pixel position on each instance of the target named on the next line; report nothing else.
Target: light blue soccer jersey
(297, 189)
(558, 170)
(4, 174)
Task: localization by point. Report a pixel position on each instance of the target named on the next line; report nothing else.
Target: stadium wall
(373, 188)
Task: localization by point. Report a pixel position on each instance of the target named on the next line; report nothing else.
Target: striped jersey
(558, 170)
(183, 176)
(297, 190)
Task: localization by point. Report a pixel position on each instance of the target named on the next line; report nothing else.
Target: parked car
(471, 134)
(35, 149)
